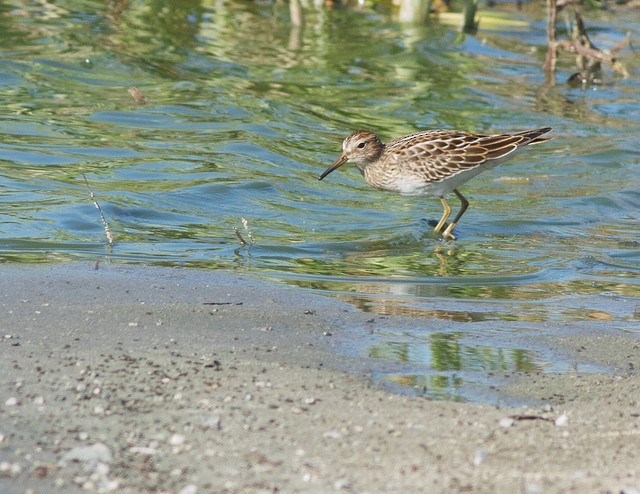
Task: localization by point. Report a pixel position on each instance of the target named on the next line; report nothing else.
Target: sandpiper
(431, 163)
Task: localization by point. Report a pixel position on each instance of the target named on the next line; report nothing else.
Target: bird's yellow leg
(464, 204)
(445, 215)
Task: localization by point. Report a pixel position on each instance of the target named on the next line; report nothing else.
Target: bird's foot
(447, 235)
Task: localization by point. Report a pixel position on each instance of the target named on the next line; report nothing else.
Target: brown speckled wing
(440, 154)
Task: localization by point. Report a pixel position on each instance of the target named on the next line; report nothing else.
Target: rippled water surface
(246, 110)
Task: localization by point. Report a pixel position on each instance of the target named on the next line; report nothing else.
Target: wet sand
(130, 379)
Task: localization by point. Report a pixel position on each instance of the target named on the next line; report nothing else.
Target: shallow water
(246, 110)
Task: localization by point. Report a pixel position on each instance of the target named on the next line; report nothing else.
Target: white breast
(409, 184)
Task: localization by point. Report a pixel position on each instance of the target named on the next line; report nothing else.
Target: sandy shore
(128, 379)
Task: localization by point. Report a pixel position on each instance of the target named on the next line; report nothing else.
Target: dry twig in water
(107, 230)
(243, 242)
(589, 57)
(138, 95)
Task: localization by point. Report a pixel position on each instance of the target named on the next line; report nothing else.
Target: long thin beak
(338, 163)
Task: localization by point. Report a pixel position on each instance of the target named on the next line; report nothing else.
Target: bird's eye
(362, 144)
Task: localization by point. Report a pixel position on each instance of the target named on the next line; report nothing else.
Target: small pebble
(630, 490)
(176, 440)
(41, 471)
(506, 422)
(94, 454)
(332, 435)
(562, 420)
(480, 455)
(188, 489)
(212, 423)
(11, 402)
(141, 450)
(341, 484)
(88, 485)
(10, 469)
